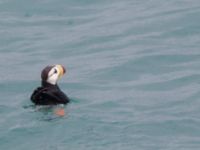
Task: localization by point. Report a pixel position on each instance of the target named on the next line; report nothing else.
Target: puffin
(49, 92)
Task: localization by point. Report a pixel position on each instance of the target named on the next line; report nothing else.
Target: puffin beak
(61, 70)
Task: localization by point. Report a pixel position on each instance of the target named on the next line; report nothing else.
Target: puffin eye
(55, 71)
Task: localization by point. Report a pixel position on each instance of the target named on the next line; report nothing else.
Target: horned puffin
(49, 92)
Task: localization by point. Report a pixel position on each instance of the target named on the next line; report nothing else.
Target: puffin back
(48, 96)
(36, 96)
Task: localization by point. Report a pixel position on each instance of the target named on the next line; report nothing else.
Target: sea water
(133, 74)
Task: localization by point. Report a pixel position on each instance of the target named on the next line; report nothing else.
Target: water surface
(133, 74)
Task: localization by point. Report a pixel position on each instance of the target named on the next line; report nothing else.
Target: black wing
(46, 96)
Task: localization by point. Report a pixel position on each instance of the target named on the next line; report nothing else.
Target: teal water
(133, 74)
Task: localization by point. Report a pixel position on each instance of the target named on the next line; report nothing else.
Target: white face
(54, 75)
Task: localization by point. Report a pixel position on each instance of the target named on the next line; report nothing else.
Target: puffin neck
(46, 84)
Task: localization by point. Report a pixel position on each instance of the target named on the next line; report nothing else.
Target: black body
(49, 94)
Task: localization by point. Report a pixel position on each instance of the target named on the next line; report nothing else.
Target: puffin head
(51, 74)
